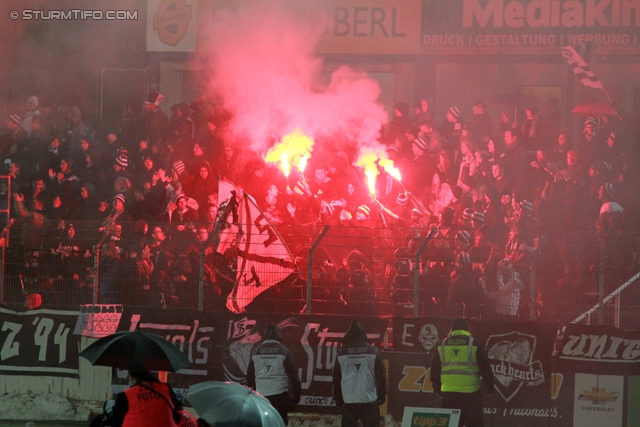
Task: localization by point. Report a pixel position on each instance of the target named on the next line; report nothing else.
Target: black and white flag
(580, 68)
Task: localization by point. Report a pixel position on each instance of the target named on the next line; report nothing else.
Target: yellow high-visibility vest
(460, 372)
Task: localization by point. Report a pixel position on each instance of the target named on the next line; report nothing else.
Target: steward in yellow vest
(455, 373)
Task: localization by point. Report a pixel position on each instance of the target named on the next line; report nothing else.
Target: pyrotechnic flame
(389, 168)
(294, 148)
(369, 159)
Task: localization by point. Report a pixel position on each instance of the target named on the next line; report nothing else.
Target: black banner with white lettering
(603, 350)
(39, 342)
(520, 357)
(220, 345)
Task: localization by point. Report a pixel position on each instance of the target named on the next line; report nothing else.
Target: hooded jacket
(359, 375)
(272, 369)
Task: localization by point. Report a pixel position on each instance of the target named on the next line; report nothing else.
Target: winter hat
(455, 111)
(591, 121)
(177, 197)
(365, 210)
(609, 190)
(464, 259)
(526, 206)
(299, 188)
(91, 189)
(467, 214)
(392, 149)
(122, 159)
(477, 217)
(119, 197)
(417, 212)
(154, 98)
(330, 209)
(505, 265)
(464, 235)
(402, 199)
(459, 324)
(420, 143)
(15, 118)
(179, 166)
(33, 99)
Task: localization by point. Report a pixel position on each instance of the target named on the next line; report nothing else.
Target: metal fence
(354, 271)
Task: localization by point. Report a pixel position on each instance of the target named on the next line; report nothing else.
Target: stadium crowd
(495, 190)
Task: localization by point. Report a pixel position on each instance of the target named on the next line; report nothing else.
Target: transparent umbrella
(226, 404)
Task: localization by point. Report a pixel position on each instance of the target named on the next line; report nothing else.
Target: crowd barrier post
(310, 265)
(416, 272)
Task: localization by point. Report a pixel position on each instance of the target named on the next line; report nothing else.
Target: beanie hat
(365, 210)
(119, 197)
(15, 118)
(592, 121)
(505, 265)
(464, 258)
(402, 199)
(467, 214)
(179, 166)
(455, 111)
(420, 143)
(477, 217)
(33, 99)
(417, 212)
(609, 190)
(459, 324)
(330, 209)
(299, 188)
(526, 206)
(91, 189)
(464, 235)
(154, 98)
(122, 159)
(392, 149)
(177, 197)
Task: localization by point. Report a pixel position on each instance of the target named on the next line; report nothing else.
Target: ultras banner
(39, 342)
(599, 350)
(220, 345)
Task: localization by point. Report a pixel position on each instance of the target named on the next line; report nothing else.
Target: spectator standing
(359, 379)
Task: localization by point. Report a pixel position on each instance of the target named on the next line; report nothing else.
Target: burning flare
(369, 159)
(294, 148)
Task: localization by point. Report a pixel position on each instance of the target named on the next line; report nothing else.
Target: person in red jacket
(147, 403)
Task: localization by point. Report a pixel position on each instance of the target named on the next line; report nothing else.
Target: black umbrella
(117, 350)
(515, 99)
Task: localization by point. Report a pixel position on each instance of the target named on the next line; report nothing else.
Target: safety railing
(318, 270)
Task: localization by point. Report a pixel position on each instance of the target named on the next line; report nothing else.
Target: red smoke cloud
(264, 68)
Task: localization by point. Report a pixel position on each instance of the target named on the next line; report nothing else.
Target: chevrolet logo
(598, 396)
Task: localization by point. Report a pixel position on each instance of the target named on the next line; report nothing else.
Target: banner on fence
(419, 334)
(38, 343)
(600, 350)
(98, 320)
(219, 346)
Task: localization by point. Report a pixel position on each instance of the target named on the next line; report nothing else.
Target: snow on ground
(41, 407)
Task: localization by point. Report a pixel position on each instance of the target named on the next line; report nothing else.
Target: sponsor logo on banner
(98, 320)
(171, 21)
(598, 400)
(430, 417)
(511, 359)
